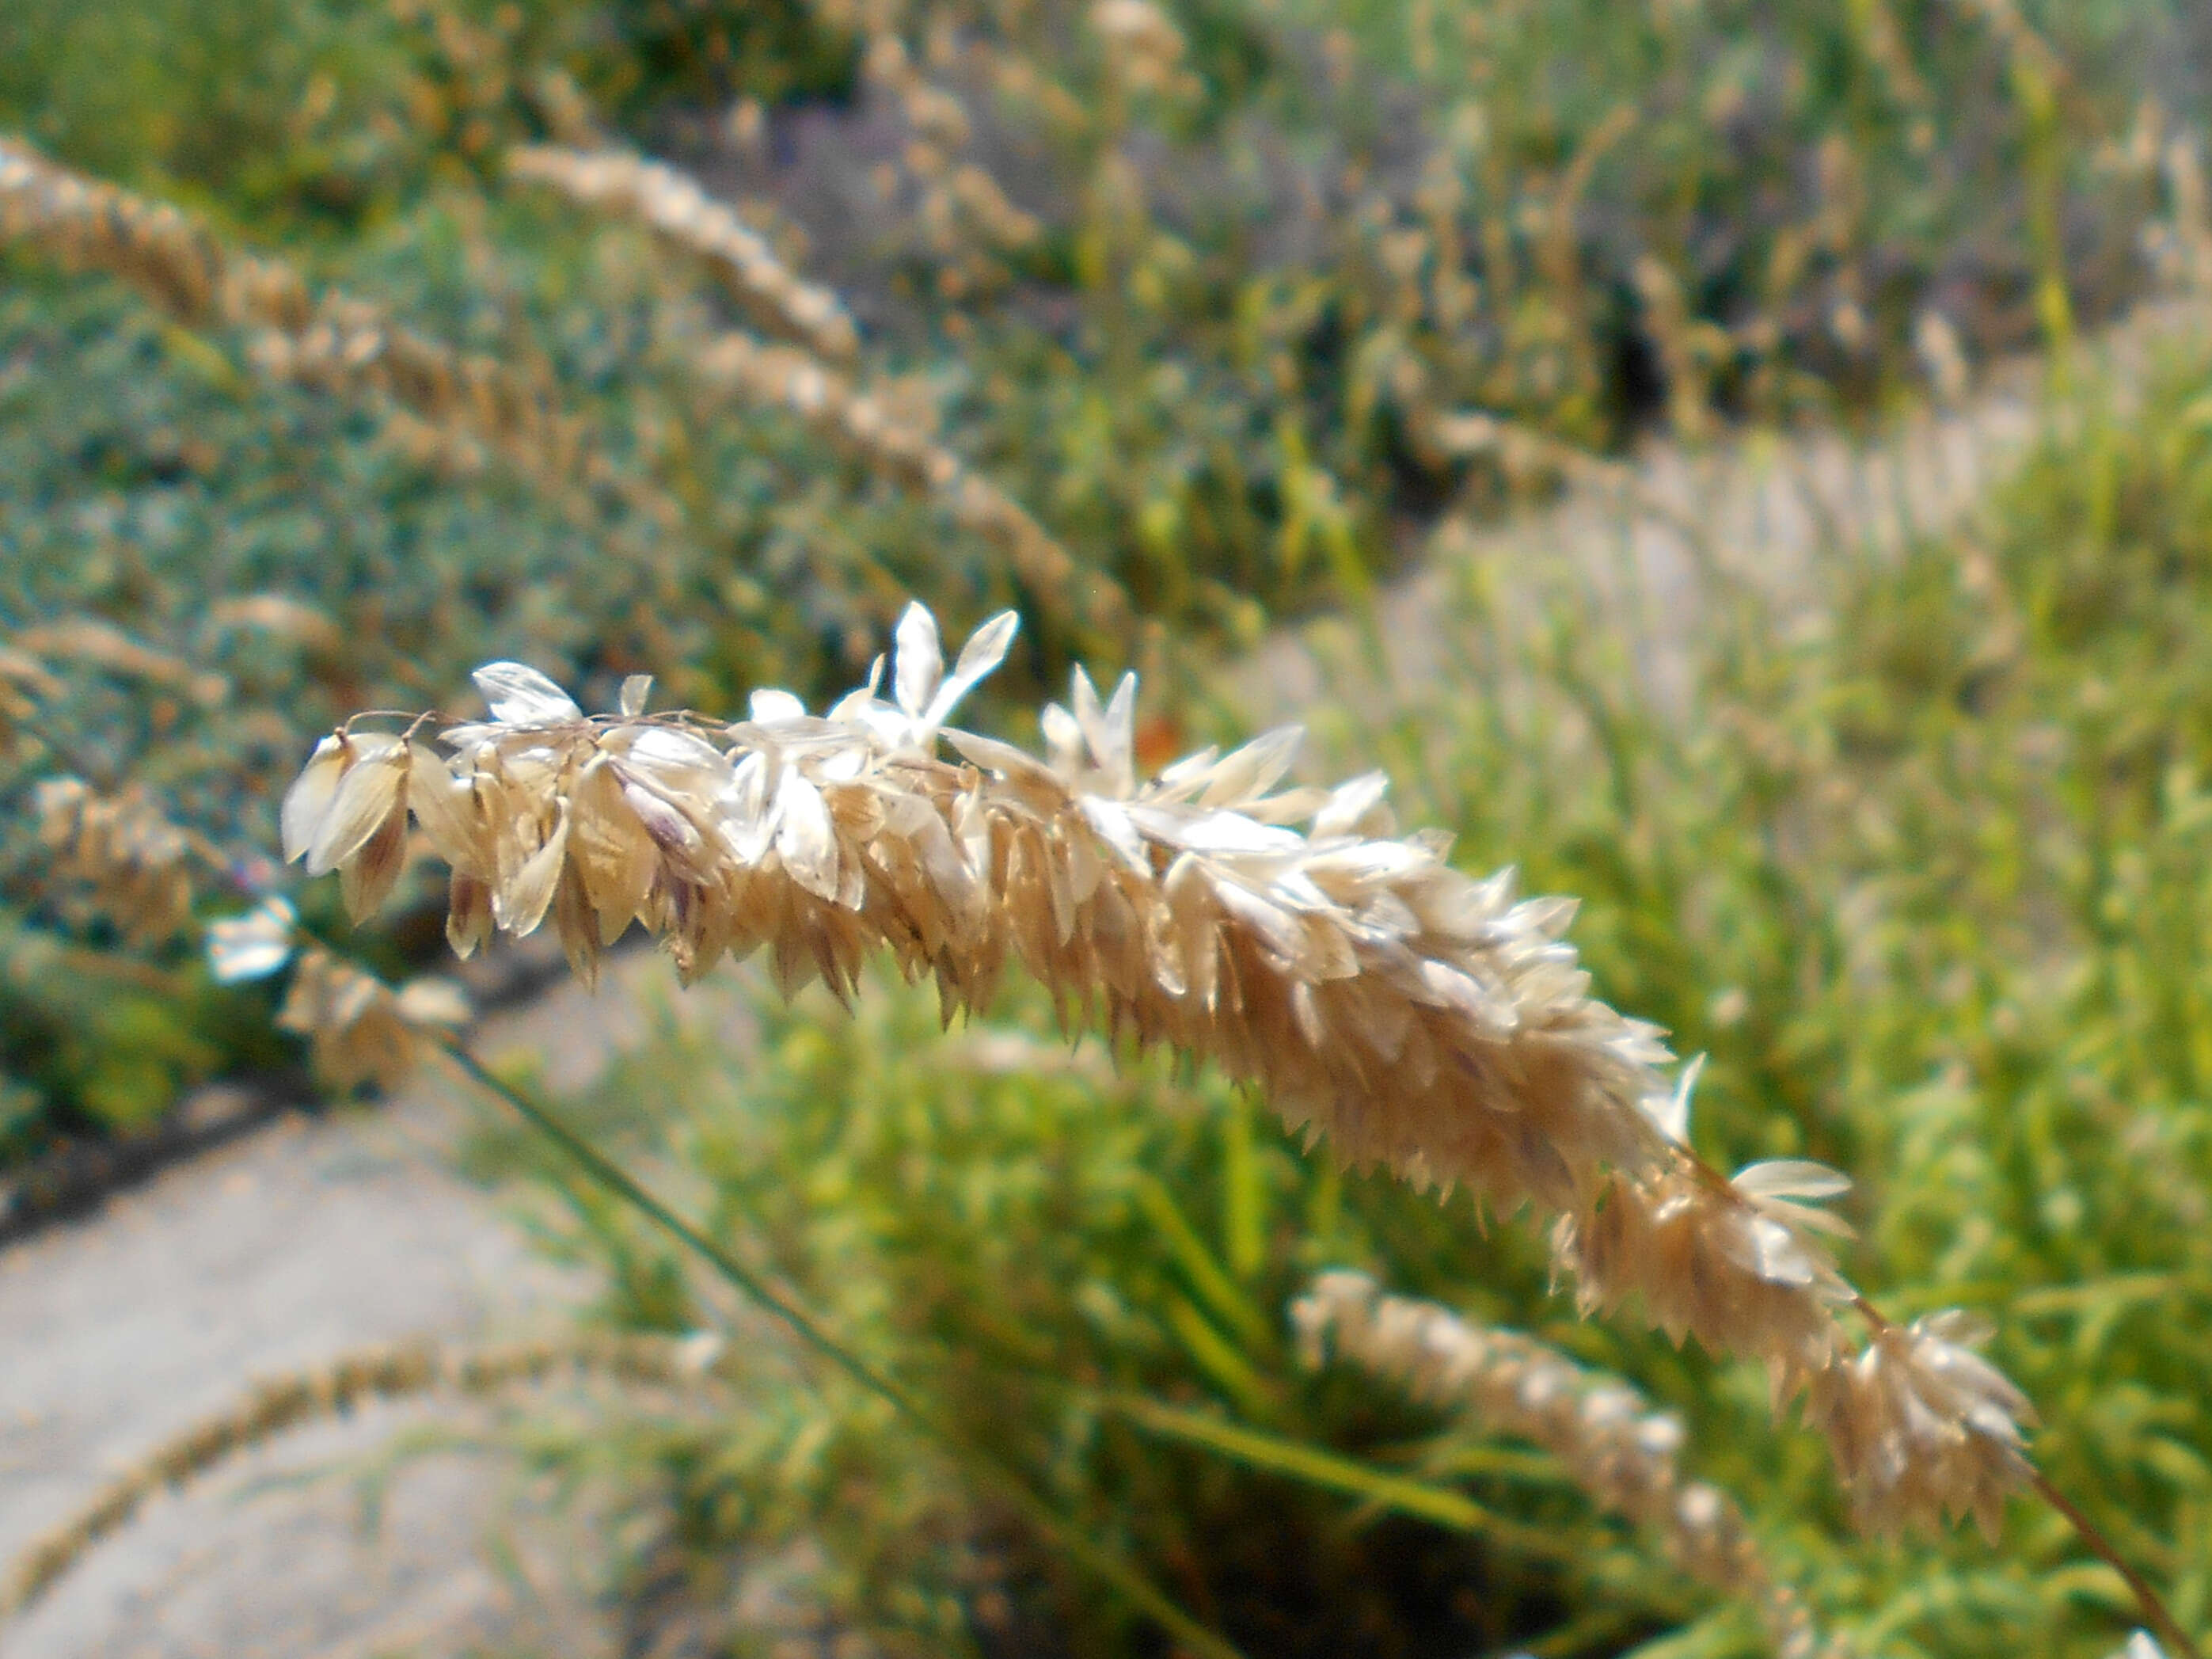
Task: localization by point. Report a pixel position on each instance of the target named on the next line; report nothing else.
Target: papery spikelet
(1407, 1014)
(1920, 1425)
(359, 1031)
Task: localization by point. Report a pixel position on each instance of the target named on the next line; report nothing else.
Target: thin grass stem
(1256, 1449)
(2148, 1600)
(2178, 1642)
(1003, 1478)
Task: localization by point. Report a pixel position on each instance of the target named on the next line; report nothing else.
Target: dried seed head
(337, 342)
(1614, 1446)
(25, 683)
(274, 1404)
(1408, 1014)
(674, 207)
(132, 863)
(1921, 1426)
(859, 422)
(102, 645)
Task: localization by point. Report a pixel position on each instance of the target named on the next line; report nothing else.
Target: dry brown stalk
(280, 615)
(861, 421)
(1614, 1445)
(676, 208)
(1687, 348)
(2191, 251)
(1412, 1016)
(104, 646)
(1558, 256)
(337, 342)
(388, 1372)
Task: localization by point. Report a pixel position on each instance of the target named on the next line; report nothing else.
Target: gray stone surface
(1761, 511)
(306, 1241)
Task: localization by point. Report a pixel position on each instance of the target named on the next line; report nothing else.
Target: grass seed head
(1408, 1014)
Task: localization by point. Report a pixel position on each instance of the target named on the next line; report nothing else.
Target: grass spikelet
(674, 207)
(1412, 1016)
(1615, 1447)
(394, 1372)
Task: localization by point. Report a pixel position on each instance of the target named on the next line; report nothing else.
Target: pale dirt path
(1766, 507)
(319, 1236)
(282, 1250)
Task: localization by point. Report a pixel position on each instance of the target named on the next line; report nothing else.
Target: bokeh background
(1748, 465)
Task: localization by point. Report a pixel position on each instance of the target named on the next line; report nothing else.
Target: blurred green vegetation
(1926, 880)
(1283, 282)
(1920, 868)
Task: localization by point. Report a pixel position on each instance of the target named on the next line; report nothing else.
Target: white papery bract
(1405, 1014)
(253, 945)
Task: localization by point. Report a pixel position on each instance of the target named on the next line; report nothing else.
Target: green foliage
(1082, 1268)
(1926, 881)
(708, 52)
(253, 104)
(1928, 885)
(110, 1042)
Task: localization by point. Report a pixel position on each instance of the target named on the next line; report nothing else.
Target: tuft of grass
(1059, 1256)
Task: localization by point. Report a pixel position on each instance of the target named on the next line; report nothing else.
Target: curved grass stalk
(1412, 1016)
(337, 342)
(278, 1404)
(1616, 1447)
(676, 209)
(807, 370)
(850, 417)
(1001, 1478)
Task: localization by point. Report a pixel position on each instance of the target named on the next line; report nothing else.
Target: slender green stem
(1003, 1478)
(2154, 1609)
(2178, 1642)
(1408, 1496)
